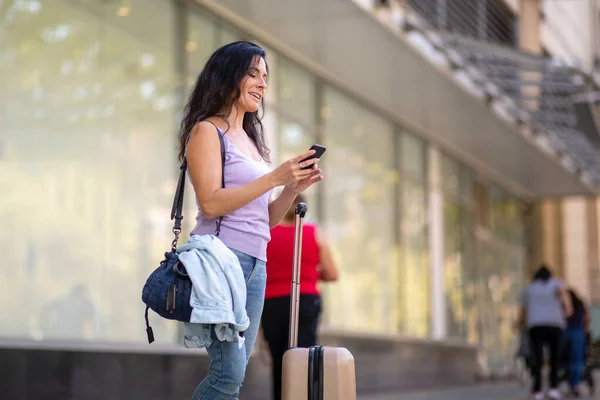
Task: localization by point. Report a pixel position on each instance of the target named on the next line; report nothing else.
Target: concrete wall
(594, 229)
(391, 363)
(577, 257)
(33, 371)
(565, 236)
(566, 28)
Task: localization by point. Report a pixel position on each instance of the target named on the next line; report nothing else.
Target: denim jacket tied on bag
(218, 298)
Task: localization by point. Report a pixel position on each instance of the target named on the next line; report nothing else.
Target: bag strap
(177, 209)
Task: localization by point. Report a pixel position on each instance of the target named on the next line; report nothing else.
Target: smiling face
(253, 86)
(233, 80)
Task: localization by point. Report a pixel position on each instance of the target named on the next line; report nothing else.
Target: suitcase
(316, 373)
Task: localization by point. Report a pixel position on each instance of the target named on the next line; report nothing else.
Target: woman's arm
(327, 269)
(280, 206)
(204, 164)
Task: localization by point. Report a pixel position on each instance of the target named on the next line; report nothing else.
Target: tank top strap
(219, 131)
(213, 124)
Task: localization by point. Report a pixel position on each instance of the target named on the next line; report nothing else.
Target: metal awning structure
(587, 112)
(410, 77)
(552, 95)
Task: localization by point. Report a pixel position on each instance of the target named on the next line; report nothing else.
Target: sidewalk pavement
(499, 391)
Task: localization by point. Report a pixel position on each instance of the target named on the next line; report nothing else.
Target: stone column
(576, 241)
(544, 244)
(436, 246)
(530, 42)
(529, 26)
(593, 222)
(532, 223)
(551, 235)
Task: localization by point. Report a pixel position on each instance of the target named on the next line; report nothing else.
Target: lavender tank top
(246, 229)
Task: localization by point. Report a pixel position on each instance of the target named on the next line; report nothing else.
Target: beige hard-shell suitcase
(316, 373)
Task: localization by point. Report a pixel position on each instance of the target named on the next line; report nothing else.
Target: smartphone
(319, 150)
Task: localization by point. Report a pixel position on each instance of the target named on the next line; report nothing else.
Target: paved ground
(505, 391)
(487, 392)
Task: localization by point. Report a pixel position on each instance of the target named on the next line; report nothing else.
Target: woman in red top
(317, 264)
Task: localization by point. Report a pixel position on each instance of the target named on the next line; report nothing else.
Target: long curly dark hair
(218, 87)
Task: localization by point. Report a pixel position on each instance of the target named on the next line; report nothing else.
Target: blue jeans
(575, 338)
(227, 361)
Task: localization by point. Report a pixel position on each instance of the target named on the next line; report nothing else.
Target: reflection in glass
(201, 41)
(295, 92)
(483, 267)
(413, 267)
(87, 166)
(228, 35)
(502, 264)
(455, 211)
(359, 216)
(294, 139)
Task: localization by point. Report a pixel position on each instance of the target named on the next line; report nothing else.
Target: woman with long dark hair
(544, 306)
(575, 335)
(225, 101)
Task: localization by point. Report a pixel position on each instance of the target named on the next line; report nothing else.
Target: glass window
(229, 35)
(453, 271)
(452, 254)
(200, 43)
(359, 215)
(292, 94)
(506, 211)
(500, 272)
(501, 283)
(414, 246)
(413, 158)
(204, 36)
(465, 186)
(295, 92)
(450, 176)
(467, 246)
(295, 139)
(88, 155)
(459, 266)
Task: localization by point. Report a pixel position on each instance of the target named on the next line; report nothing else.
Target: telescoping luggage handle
(301, 209)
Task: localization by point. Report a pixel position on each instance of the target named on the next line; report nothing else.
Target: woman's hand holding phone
(318, 152)
(300, 172)
(294, 169)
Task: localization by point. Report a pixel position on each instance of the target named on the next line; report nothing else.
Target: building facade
(566, 228)
(424, 188)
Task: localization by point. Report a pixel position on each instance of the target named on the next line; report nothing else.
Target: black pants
(275, 325)
(552, 337)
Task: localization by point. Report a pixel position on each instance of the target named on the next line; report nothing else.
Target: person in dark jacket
(575, 340)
